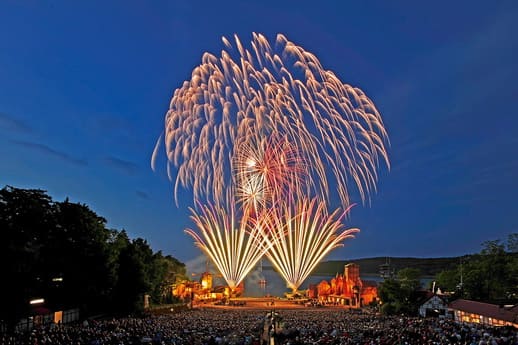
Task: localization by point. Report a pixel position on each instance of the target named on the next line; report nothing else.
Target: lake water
(276, 286)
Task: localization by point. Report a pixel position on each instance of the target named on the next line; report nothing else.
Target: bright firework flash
(234, 245)
(279, 92)
(268, 170)
(301, 236)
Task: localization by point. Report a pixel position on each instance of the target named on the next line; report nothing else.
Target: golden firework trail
(235, 102)
(301, 236)
(235, 244)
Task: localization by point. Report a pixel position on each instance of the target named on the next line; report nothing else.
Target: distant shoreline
(370, 267)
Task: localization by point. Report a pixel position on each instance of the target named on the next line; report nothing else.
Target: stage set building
(346, 289)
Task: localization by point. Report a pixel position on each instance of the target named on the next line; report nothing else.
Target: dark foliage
(63, 252)
(400, 295)
(490, 276)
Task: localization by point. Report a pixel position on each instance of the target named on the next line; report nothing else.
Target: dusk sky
(84, 88)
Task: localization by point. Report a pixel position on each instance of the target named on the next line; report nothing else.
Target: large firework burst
(281, 92)
(261, 134)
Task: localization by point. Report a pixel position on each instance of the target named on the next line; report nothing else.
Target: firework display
(266, 171)
(301, 235)
(282, 91)
(261, 135)
(234, 244)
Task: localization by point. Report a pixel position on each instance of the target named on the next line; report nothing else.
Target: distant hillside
(371, 266)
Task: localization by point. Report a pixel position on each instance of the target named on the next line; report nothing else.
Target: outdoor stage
(266, 303)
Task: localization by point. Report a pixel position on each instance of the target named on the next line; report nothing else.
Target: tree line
(490, 276)
(63, 252)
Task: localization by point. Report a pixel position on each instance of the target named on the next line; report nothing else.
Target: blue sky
(84, 87)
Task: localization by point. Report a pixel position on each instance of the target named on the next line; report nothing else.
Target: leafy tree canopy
(63, 252)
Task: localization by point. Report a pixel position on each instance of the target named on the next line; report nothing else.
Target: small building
(484, 313)
(433, 305)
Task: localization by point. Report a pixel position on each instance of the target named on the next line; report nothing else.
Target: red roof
(485, 309)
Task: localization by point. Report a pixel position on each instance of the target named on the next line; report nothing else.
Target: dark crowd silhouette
(245, 326)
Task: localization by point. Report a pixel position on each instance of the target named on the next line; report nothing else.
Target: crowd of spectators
(343, 327)
(184, 328)
(245, 326)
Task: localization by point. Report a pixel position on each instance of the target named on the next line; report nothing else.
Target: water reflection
(275, 284)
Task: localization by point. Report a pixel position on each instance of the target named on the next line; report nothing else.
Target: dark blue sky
(84, 87)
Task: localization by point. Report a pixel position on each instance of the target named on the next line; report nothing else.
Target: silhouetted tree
(491, 275)
(512, 243)
(63, 252)
(448, 280)
(134, 276)
(399, 296)
(410, 278)
(167, 271)
(77, 250)
(26, 217)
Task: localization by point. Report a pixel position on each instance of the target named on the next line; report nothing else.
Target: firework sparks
(234, 244)
(302, 236)
(267, 170)
(269, 129)
(231, 104)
